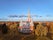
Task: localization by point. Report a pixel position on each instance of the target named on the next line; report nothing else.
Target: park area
(14, 34)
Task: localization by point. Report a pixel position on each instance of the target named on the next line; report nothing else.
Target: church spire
(29, 17)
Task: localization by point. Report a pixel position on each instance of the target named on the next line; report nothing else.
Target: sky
(42, 8)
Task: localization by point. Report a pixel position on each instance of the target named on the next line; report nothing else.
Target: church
(26, 26)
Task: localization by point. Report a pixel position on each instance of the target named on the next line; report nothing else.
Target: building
(26, 26)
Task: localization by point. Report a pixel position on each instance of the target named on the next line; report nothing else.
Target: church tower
(30, 20)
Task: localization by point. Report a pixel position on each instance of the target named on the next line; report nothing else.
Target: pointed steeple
(29, 17)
